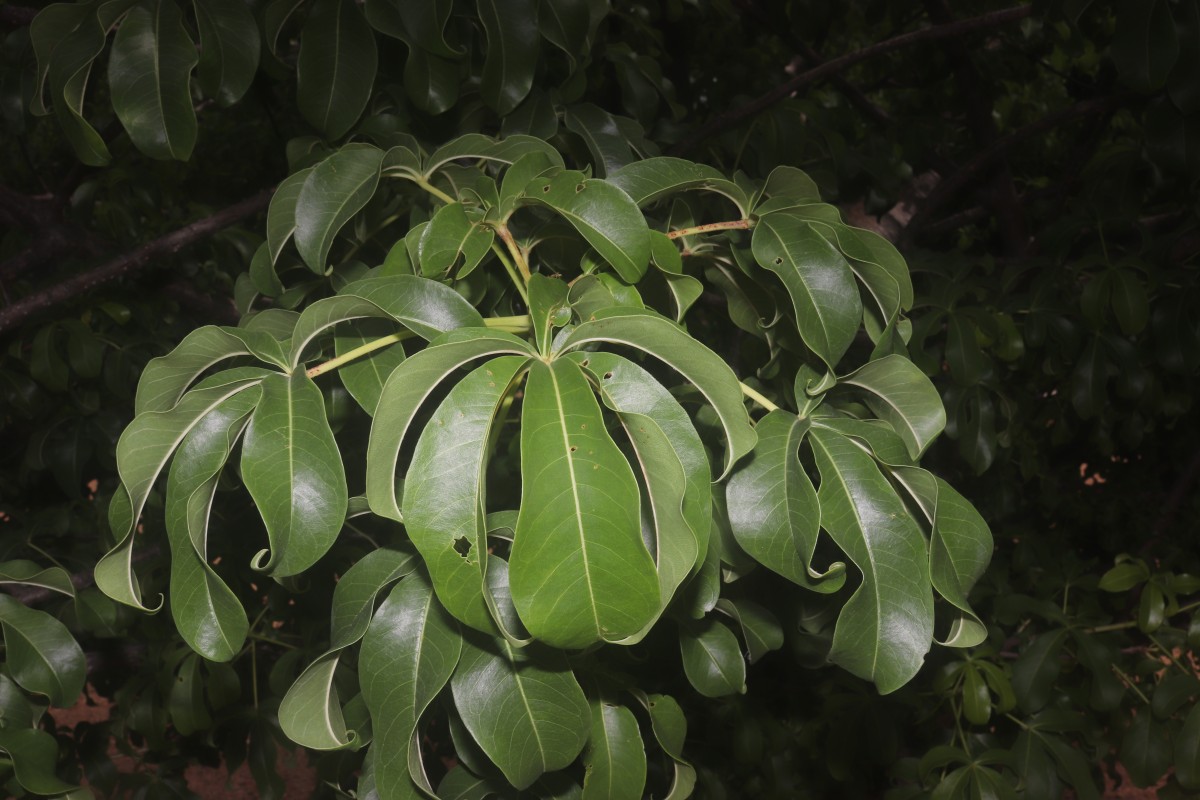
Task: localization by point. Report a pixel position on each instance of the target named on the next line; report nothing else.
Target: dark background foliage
(1036, 165)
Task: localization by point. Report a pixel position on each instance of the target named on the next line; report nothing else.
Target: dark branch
(848, 89)
(725, 121)
(35, 303)
(949, 188)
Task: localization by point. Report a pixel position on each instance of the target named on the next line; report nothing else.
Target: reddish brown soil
(299, 778)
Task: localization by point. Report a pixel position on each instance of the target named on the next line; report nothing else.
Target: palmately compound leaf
(703, 368)
(406, 391)
(408, 654)
(207, 613)
(886, 627)
(772, 505)
(293, 469)
(527, 713)
(311, 712)
(579, 570)
(444, 492)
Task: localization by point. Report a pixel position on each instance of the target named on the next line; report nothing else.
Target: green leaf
(67, 42)
(512, 50)
(461, 784)
(336, 67)
(818, 279)
(792, 183)
(407, 656)
(1124, 576)
(34, 755)
(451, 237)
(579, 570)
(1035, 672)
(529, 716)
(407, 389)
(548, 308)
(565, 24)
(229, 48)
(476, 146)
(977, 700)
(40, 653)
(1187, 751)
(773, 509)
(901, 395)
(602, 135)
(760, 629)
(1129, 302)
(655, 178)
(365, 377)
(876, 262)
(703, 368)
(166, 378)
(603, 214)
(142, 453)
(311, 712)
(960, 547)
(444, 498)
(886, 627)
(281, 215)
(614, 761)
(185, 701)
(712, 659)
(425, 307)
(207, 613)
(422, 25)
(1145, 43)
(1145, 750)
(149, 75)
(332, 193)
(292, 468)
(671, 459)
(27, 573)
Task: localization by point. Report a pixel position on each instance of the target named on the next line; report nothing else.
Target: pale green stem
(517, 255)
(358, 352)
(1169, 655)
(1124, 626)
(514, 325)
(260, 638)
(1125, 679)
(512, 273)
(758, 398)
(433, 190)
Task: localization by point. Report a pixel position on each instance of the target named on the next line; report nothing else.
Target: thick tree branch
(21, 310)
(848, 89)
(949, 188)
(725, 121)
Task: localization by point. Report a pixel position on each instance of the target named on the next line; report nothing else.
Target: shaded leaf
(229, 45)
(529, 716)
(336, 67)
(512, 49)
(40, 653)
(712, 659)
(332, 193)
(149, 75)
(614, 761)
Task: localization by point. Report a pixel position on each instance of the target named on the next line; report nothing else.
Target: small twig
(149, 253)
(729, 119)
